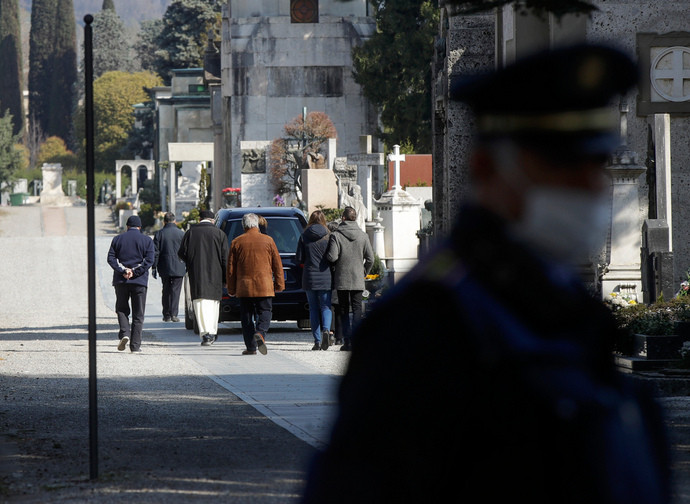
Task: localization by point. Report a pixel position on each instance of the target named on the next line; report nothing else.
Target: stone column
(162, 173)
(172, 186)
(466, 45)
(662, 141)
(624, 270)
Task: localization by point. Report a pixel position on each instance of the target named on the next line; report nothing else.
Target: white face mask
(566, 224)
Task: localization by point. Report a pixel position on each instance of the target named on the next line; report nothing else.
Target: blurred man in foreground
(500, 384)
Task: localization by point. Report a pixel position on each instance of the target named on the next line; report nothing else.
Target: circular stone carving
(669, 73)
(304, 11)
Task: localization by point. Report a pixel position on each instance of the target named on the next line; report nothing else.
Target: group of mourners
(335, 259)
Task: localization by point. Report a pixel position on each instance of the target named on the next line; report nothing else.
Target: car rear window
(284, 231)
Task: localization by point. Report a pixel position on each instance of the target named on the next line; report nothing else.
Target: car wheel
(304, 323)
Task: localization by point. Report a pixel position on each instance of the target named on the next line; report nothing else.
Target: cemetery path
(178, 423)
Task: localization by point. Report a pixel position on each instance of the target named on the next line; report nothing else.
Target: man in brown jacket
(254, 275)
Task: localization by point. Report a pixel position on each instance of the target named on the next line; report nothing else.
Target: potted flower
(374, 280)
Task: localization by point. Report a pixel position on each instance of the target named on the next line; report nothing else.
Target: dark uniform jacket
(167, 242)
(204, 249)
(311, 253)
(134, 250)
(500, 385)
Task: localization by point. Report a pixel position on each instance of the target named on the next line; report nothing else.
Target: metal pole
(91, 247)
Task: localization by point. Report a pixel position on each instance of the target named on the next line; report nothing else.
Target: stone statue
(316, 161)
(188, 182)
(353, 198)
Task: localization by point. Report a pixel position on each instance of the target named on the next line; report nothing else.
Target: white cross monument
(400, 217)
(397, 158)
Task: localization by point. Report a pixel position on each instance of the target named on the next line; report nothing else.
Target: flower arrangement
(376, 269)
(656, 319)
(617, 300)
(278, 200)
(229, 190)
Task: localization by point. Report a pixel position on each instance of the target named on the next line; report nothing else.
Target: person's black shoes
(249, 352)
(206, 340)
(166, 319)
(316, 346)
(260, 343)
(325, 340)
(123, 343)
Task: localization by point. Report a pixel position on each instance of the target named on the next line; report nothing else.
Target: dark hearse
(285, 225)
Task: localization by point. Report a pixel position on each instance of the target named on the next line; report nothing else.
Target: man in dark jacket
(204, 249)
(501, 383)
(169, 266)
(351, 254)
(131, 254)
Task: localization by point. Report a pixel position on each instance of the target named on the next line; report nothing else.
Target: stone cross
(676, 74)
(396, 157)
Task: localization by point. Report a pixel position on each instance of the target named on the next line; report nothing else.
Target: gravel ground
(166, 432)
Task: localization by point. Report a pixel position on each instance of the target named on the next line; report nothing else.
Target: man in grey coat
(205, 250)
(169, 266)
(351, 254)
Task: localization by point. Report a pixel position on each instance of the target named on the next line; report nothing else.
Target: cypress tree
(41, 41)
(111, 50)
(52, 67)
(108, 5)
(184, 34)
(63, 90)
(11, 63)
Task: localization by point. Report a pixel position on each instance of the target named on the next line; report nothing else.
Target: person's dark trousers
(255, 315)
(349, 300)
(172, 285)
(137, 294)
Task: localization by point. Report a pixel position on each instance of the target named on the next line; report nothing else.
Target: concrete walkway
(286, 385)
(177, 423)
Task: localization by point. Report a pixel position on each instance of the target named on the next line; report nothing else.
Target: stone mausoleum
(279, 57)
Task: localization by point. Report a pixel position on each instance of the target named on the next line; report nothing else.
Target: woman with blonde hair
(316, 277)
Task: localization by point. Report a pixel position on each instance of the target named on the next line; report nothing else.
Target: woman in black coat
(316, 277)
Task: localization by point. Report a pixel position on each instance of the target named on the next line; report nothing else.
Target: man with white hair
(254, 275)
